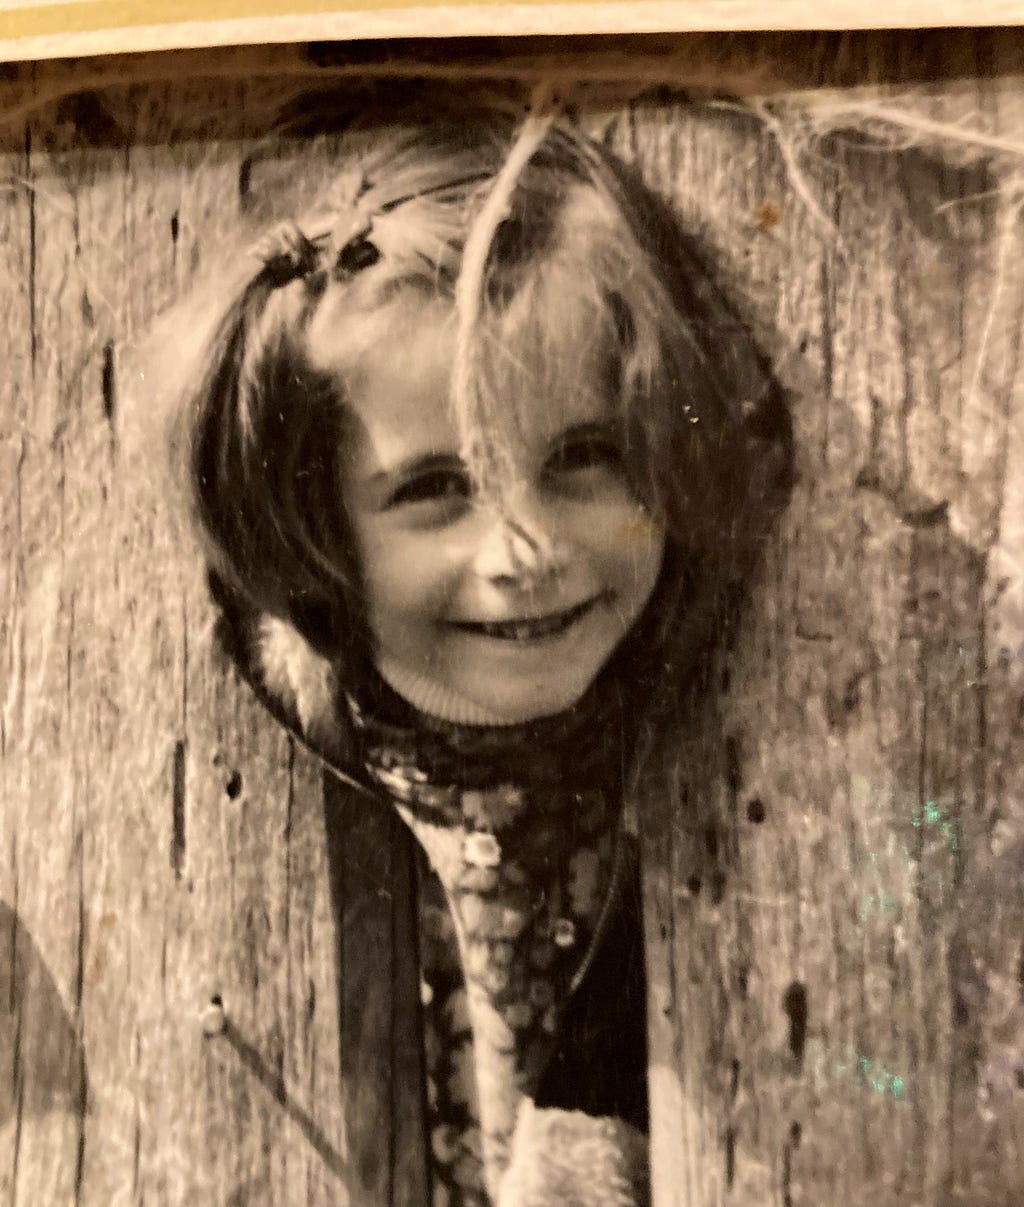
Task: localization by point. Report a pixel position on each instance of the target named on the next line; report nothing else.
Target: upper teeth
(526, 630)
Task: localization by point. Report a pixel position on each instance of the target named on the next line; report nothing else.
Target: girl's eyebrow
(604, 428)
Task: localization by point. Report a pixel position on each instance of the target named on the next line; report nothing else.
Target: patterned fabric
(529, 870)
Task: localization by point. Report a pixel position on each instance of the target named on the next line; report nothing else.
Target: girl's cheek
(621, 525)
(634, 545)
(638, 531)
(413, 570)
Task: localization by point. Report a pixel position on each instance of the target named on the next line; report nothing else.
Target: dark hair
(574, 249)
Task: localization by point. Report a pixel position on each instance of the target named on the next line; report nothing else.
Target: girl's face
(514, 611)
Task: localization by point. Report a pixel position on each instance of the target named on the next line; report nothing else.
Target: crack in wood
(730, 1157)
(178, 808)
(794, 1002)
(108, 384)
(791, 1145)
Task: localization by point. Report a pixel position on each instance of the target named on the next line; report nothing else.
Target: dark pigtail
(266, 438)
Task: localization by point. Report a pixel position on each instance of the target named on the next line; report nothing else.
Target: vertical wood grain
(166, 842)
(828, 982)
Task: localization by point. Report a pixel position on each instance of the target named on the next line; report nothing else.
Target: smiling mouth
(534, 628)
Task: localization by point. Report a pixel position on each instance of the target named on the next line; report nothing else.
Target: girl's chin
(512, 697)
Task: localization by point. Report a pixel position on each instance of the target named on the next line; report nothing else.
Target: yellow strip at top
(77, 27)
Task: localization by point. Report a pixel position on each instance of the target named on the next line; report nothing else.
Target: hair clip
(286, 254)
(348, 240)
(357, 254)
(350, 247)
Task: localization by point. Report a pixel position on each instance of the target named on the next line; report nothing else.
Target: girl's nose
(519, 547)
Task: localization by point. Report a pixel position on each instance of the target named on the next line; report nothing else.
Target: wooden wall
(834, 835)
(840, 920)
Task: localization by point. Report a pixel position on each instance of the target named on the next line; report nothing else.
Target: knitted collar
(431, 763)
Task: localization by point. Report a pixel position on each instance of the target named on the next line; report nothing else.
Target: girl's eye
(441, 486)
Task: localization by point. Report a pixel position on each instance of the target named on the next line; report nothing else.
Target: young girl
(473, 454)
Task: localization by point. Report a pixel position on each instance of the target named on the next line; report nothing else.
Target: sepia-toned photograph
(512, 624)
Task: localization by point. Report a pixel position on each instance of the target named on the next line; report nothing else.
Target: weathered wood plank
(250, 857)
(42, 1054)
(154, 882)
(839, 984)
